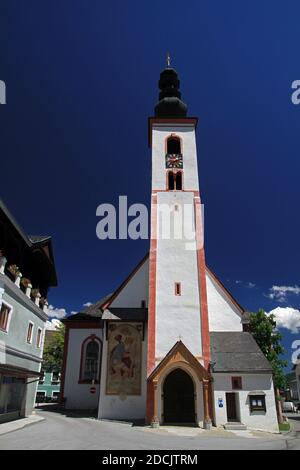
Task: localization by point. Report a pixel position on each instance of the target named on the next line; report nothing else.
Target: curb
(12, 426)
(126, 423)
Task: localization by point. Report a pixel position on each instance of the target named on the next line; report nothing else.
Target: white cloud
(53, 312)
(53, 324)
(287, 317)
(280, 293)
(250, 285)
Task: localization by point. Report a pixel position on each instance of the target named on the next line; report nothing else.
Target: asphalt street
(58, 431)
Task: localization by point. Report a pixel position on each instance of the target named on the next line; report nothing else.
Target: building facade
(26, 272)
(48, 387)
(297, 376)
(170, 345)
(291, 391)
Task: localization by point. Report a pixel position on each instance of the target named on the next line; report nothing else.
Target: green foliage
(54, 349)
(284, 426)
(268, 338)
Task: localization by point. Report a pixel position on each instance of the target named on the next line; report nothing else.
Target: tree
(268, 338)
(54, 349)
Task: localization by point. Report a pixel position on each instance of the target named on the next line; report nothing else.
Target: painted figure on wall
(124, 359)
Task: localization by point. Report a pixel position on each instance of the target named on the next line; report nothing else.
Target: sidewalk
(214, 432)
(19, 424)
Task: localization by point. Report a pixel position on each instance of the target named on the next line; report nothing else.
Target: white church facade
(170, 345)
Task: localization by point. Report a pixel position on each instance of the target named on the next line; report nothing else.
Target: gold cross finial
(168, 60)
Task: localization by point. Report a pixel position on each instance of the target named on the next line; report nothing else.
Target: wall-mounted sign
(220, 402)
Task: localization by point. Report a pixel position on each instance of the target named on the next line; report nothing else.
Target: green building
(49, 384)
(49, 387)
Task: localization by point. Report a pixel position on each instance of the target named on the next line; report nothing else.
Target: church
(170, 345)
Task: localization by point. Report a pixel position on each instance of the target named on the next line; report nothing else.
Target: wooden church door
(178, 398)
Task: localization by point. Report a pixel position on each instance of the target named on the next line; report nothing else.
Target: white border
(31, 338)
(55, 381)
(9, 315)
(40, 342)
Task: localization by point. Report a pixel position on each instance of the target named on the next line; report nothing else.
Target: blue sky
(81, 82)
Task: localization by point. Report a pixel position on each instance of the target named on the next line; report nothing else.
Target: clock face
(174, 160)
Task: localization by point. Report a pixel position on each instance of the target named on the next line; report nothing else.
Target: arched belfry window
(91, 352)
(174, 181)
(174, 157)
(173, 145)
(171, 181)
(178, 181)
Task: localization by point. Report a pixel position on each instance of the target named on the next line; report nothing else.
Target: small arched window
(174, 180)
(173, 145)
(91, 352)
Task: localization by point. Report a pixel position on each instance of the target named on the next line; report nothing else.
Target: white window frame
(38, 345)
(31, 337)
(9, 315)
(55, 381)
(43, 338)
(41, 382)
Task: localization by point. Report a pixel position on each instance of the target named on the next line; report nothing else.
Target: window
(4, 316)
(29, 332)
(40, 396)
(173, 145)
(55, 396)
(177, 288)
(13, 392)
(178, 181)
(90, 360)
(42, 378)
(236, 383)
(257, 403)
(171, 181)
(39, 338)
(174, 180)
(55, 377)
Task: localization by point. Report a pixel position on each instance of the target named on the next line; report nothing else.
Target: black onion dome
(170, 104)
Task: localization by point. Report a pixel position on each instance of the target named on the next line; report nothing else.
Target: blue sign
(220, 402)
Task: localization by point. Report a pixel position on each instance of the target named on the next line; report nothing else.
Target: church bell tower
(178, 329)
(177, 283)
(177, 293)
